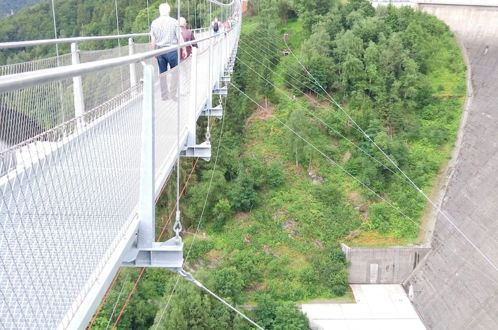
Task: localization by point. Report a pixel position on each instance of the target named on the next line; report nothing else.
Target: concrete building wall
(455, 287)
(382, 265)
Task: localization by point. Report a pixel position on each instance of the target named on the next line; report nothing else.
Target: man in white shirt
(164, 32)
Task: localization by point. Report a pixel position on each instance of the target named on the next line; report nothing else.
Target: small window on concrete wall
(374, 273)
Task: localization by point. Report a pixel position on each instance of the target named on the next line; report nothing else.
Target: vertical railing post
(79, 101)
(146, 228)
(192, 115)
(210, 82)
(133, 71)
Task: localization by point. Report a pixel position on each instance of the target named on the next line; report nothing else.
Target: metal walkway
(71, 159)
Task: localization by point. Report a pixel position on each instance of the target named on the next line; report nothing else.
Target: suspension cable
(359, 181)
(177, 227)
(201, 218)
(55, 31)
(406, 177)
(117, 300)
(189, 277)
(438, 209)
(57, 58)
(170, 216)
(148, 14)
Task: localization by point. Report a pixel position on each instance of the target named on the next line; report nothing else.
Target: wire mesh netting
(69, 185)
(63, 207)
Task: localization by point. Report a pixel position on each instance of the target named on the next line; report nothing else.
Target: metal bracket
(225, 78)
(167, 254)
(202, 150)
(217, 112)
(223, 91)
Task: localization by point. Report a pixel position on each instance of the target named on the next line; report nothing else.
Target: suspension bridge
(88, 141)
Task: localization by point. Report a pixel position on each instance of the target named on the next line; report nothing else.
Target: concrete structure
(377, 307)
(382, 265)
(455, 288)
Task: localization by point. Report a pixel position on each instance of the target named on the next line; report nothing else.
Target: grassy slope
(290, 223)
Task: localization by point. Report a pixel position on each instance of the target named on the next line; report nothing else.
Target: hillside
(293, 176)
(7, 7)
(309, 154)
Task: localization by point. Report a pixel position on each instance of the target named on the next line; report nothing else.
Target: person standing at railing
(164, 32)
(188, 35)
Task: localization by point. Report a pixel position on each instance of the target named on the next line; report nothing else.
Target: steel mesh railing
(63, 208)
(69, 181)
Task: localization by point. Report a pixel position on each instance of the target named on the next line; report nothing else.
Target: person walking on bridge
(164, 32)
(188, 35)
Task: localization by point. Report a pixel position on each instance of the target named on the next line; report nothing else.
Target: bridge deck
(69, 208)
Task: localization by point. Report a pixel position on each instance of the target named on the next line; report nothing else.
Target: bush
(275, 175)
(228, 283)
(243, 196)
(279, 316)
(330, 266)
(221, 212)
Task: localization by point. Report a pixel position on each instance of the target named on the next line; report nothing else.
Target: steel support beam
(223, 91)
(202, 150)
(216, 112)
(145, 252)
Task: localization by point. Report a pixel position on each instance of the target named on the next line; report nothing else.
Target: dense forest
(85, 18)
(9, 6)
(294, 177)
(276, 208)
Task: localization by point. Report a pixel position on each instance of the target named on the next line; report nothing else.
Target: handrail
(23, 80)
(222, 4)
(31, 43)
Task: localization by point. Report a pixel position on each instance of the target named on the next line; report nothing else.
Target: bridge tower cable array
(254, 46)
(467, 240)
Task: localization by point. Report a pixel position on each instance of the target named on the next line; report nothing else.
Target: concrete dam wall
(390, 265)
(454, 286)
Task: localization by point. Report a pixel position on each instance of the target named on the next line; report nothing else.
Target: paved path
(377, 307)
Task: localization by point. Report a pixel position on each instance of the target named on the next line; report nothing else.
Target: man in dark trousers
(164, 32)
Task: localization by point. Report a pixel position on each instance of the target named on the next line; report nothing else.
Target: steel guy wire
(409, 180)
(117, 300)
(177, 227)
(128, 298)
(315, 116)
(189, 277)
(262, 45)
(148, 14)
(349, 174)
(119, 42)
(109, 290)
(296, 79)
(438, 209)
(159, 238)
(201, 218)
(57, 56)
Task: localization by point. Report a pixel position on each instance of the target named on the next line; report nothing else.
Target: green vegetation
(8, 6)
(85, 18)
(277, 209)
